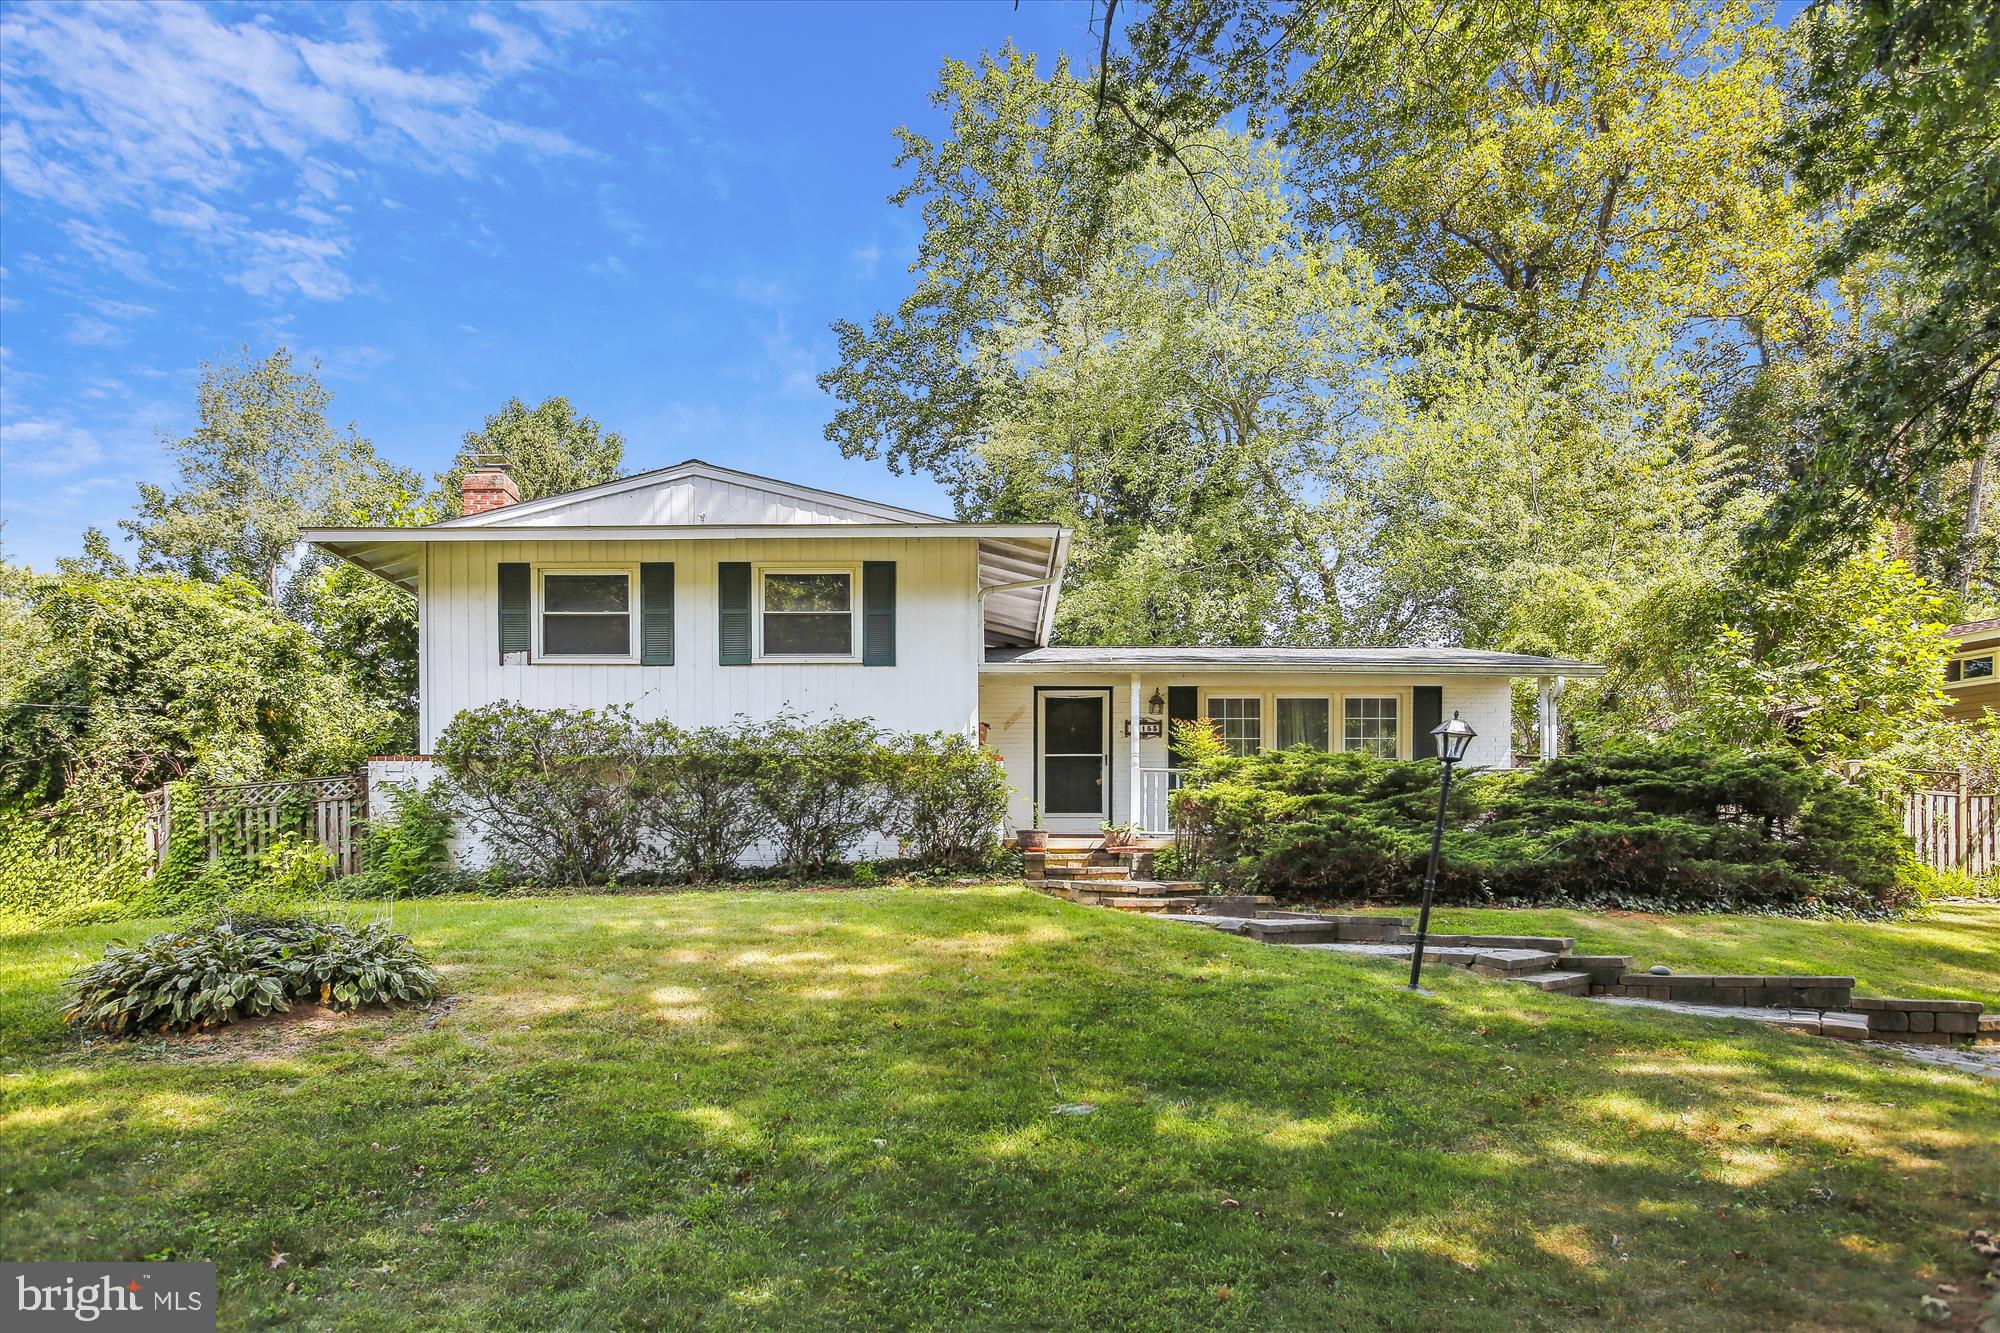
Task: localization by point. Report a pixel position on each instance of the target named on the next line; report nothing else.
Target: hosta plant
(235, 967)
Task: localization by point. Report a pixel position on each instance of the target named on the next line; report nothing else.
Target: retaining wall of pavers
(1752, 992)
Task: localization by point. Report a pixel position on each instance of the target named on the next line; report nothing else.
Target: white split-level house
(699, 594)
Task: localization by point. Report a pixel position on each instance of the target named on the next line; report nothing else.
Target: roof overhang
(1252, 661)
(1009, 553)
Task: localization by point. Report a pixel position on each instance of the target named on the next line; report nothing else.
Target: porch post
(1547, 723)
(1132, 724)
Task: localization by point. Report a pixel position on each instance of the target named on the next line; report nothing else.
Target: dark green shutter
(514, 611)
(1426, 712)
(1180, 708)
(878, 613)
(656, 614)
(732, 601)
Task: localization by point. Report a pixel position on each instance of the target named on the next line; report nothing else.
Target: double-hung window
(1240, 723)
(806, 613)
(1304, 722)
(587, 613)
(1372, 725)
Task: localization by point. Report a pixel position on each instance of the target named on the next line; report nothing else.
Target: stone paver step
(1560, 983)
(1544, 943)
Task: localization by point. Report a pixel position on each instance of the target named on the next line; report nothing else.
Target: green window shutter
(878, 613)
(514, 612)
(732, 601)
(1426, 712)
(1180, 708)
(656, 614)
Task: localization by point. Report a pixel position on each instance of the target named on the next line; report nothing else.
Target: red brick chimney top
(488, 486)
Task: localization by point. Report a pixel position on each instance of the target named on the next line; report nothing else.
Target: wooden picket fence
(1953, 826)
(331, 811)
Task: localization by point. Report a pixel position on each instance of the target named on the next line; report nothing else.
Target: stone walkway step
(1559, 983)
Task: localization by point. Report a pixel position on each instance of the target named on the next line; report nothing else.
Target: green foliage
(1896, 112)
(262, 464)
(1843, 661)
(822, 786)
(705, 805)
(549, 448)
(74, 862)
(950, 796)
(246, 965)
(407, 851)
(561, 791)
(587, 797)
(127, 683)
(1659, 828)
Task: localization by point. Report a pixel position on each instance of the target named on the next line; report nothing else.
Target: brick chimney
(488, 486)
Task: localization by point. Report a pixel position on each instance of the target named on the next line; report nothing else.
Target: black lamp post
(1454, 738)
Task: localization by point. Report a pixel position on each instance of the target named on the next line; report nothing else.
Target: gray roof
(1415, 661)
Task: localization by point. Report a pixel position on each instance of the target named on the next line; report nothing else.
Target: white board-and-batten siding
(932, 687)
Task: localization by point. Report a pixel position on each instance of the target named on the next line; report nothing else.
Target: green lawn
(837, 1109)
(1953, 954)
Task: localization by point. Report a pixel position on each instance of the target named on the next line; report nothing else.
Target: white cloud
(45, 447)
(762, 291)
(865, 260)
(184, 115)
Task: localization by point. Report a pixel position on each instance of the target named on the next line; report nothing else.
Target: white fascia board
(1573, 670)
(691, 532)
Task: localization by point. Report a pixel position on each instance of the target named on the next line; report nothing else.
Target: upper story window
(1240, 723)
(1969, 668)
(1372, 725)
(806, 613)
(587, 613)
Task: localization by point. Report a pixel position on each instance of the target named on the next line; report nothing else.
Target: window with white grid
(1371, 726)
(1240, 722)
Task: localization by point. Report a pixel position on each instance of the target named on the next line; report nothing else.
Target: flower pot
(1032, 839)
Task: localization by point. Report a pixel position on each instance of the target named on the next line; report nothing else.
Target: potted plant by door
(1120, 837)
(1032, 839)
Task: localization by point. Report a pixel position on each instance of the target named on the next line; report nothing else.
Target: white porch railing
(1155, 811)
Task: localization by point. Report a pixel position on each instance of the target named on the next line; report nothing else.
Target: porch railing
(1155, 810)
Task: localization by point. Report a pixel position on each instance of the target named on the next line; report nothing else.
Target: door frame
(1110, 768)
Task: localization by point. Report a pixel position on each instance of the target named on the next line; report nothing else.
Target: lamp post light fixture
(1454, 738)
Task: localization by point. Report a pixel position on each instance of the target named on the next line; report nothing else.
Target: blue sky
(655, 211)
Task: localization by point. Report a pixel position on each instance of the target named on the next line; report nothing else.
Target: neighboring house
(698, 593)
(1970, 685)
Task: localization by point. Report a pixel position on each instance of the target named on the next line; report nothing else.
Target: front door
(1076, 752)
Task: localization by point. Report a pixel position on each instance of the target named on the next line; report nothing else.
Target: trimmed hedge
(577, 798)
(1654, 827)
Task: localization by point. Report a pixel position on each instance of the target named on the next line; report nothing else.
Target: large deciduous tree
(262, 463)
(1555, 169)
(549, 448)
(1163, 361)
(1898, 114)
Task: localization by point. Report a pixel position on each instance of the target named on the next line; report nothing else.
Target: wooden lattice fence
(253, 815)
(1953, 826)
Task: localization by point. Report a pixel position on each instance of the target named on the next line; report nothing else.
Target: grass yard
(838, 1109)
(1953, 954)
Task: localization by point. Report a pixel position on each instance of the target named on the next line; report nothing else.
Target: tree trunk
(1975, 515)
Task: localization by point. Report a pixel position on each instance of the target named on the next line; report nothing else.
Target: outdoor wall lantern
(1454, 738)
(1157, 704)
